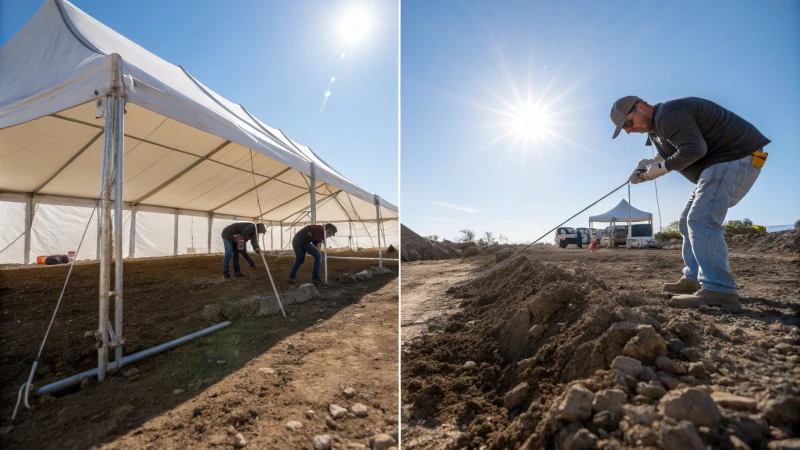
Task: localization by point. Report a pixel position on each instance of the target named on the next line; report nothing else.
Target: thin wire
(542, 236)
(27, 385)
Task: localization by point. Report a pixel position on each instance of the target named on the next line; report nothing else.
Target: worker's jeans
(721, 186)
(300, 256)
(232, 250)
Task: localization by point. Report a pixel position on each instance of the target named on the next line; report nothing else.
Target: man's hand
(654, 170)
(636, 175)
(257, 250)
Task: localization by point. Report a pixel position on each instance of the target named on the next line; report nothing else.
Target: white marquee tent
(193, 162)
(623, 212)
(87, 117)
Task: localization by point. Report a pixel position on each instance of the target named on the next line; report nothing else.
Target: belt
(759, 158)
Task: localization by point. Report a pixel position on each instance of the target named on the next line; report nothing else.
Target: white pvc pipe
(76, 379)
(360, 258)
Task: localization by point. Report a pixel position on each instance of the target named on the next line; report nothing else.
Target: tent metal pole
(271, 237)
(313, 189)
(99, 224)
(104, 219)
(132, 240)
(28, 226)
(175, 236)
(210, 223)
(350, 235)
(628, 241)
(378, 221)
(281, 224)
(119, 177)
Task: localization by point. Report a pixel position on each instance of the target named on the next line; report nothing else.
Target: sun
(354, 25)
(529, 122)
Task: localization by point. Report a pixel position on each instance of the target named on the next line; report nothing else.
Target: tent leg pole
(119, 176)
(378, 222)
(175, 236)
(104, 219)
(325, 245)
(313, 190)
(210, 223)
(132, 243)
(28, 226)
(281, 224)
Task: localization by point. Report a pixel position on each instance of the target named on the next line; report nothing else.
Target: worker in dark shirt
(722, 154)
(306, 241)
(235, 237)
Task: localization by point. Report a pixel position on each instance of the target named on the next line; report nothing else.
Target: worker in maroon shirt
(305, 241)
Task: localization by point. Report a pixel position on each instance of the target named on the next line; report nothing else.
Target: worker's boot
(728, 302)
(683, 286)
(226, 276)
(239, 275)
(291, 281)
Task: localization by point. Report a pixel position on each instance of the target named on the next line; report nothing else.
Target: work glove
(654, 170)
(636, 175)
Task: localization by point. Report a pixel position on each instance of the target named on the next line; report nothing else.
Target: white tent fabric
(620, 213)
(188, 151)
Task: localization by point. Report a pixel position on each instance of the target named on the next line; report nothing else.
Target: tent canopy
(620, 213)
(186, 147)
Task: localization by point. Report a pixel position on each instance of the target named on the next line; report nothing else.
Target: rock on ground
(577, 404)
(684, 436)
(322, 442)
(692, 404)
(516, 396)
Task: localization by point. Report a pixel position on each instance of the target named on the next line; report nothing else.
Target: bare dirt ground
(563, 348)
(250, 378)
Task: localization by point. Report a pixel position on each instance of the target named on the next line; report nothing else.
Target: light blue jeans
(721, 186)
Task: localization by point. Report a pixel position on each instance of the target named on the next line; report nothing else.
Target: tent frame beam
(201, 157)
(181, 173)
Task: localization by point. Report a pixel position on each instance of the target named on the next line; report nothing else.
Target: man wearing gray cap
(722, 154)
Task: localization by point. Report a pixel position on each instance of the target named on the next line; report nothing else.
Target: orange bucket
(40, 259)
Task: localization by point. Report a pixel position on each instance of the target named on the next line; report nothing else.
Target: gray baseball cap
(620, 109)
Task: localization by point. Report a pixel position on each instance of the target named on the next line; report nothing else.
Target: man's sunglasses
(629, 123)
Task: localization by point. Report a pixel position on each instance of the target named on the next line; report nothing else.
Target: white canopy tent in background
(623, 212)
(88, 117)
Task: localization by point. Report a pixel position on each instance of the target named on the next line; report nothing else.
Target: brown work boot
(728, 302)
(683, 286)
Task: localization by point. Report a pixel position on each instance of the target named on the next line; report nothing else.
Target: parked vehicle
(587, 234)
(641, 236)
(566, 236)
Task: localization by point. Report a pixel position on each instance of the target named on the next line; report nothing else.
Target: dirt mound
(415, 247)
(546, 357)
(787, 242)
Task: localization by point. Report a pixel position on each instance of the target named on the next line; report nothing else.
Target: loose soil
(251, 378)
(467, 347)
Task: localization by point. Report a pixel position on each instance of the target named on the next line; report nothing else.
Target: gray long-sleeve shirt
(693, 133)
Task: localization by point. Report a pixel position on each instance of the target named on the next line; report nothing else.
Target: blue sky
(462, 63)
(277, 58)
